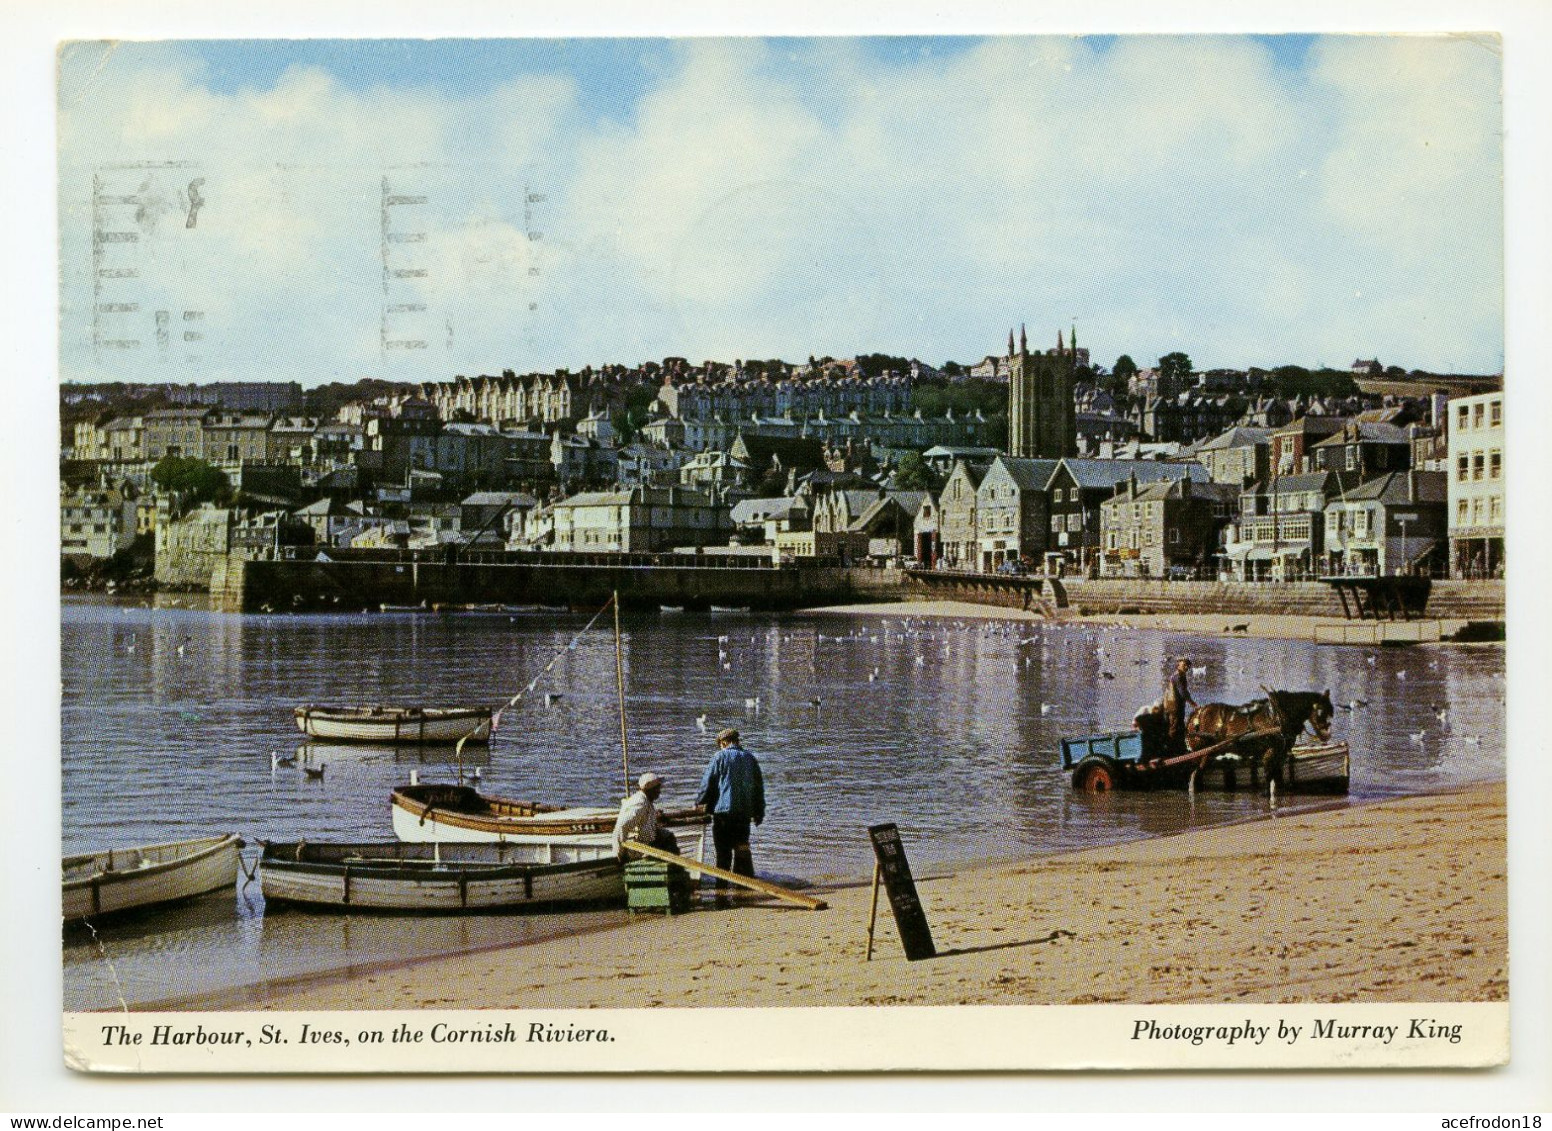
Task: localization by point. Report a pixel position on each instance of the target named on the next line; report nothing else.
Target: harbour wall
(239, 585)
(1447, 600)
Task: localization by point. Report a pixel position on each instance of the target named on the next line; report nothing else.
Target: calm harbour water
(170, 715)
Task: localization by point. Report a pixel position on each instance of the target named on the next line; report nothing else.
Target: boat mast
(619, 680)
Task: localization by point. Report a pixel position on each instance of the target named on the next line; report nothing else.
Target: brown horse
(1287, 712)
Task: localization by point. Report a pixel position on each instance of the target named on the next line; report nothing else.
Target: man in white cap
(639, 819)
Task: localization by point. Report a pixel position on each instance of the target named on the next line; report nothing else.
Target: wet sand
(1268, 627)
(1401, 901)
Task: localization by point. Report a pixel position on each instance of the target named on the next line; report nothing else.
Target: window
(1056, 524)
(1461, 417)
(1495, 465)
(1476, 466)
(1476, 511)
(1056, 495)
(1497, 509)
(1460, 513)
(1463, 468)
(1496, 413)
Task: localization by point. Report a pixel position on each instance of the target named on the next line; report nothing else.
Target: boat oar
(750, 882)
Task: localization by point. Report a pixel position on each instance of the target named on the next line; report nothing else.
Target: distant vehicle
(1179, 573)
(1011, 569)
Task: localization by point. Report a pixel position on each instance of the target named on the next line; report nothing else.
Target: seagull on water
(700, 721)
(551, 698)
(315, 775)
(1473, 739)
(1419, 736)
(276, 761)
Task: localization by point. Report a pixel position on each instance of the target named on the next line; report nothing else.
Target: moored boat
(438, 878)
(381, 723)
(97, 884)
(461, 814)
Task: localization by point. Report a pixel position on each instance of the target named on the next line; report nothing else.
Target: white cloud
(772, 199)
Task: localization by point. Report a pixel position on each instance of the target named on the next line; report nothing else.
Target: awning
(1293, 550)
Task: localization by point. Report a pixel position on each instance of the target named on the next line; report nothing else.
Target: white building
(1476, 489)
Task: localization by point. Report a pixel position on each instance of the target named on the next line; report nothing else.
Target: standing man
(1176, 695)
(639, 819)
(733, 792)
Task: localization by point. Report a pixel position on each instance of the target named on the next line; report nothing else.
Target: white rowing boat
(96, 884)
(438, 879)
(381, 723)
(459, 814)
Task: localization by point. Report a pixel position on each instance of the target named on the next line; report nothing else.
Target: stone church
(1042, 415)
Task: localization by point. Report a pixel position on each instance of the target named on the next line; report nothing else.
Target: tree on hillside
(913, 474)
(1175, 370)
(192, 480)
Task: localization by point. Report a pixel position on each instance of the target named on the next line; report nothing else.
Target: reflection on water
(177, 723)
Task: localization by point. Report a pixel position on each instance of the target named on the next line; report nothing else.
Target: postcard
(783, 554)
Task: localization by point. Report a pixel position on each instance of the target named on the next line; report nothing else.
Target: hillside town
(1032, 460)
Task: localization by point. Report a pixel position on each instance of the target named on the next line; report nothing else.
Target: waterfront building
(190, 548)
(490, 516)
(763, 520)
(640, 520)
(1164, 529)
(1365, 446)
(1042, 421)
(958, 533)
(1279, 533)
(335, 522)
(1291, 444)
(97, 521)
(1476, 486)
(924, 528)
(1237, 456)
(1078, 487)
(1395, 523)
(1012, 511)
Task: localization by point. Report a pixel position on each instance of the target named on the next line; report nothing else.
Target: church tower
(1042, 416)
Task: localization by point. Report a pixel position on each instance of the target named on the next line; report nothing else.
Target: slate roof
(1104, 474)
(1029, 474)
(1393, 488)
(1237, 437)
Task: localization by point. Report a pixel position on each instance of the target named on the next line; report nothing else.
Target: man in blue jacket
(733, 792)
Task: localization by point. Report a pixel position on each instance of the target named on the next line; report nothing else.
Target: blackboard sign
(915, 935)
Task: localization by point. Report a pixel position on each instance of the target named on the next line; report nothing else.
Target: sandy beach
(1264, 626)
(1402, 901)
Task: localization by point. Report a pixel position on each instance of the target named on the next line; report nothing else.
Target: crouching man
(640, 820)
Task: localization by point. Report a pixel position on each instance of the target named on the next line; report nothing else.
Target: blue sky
(1250, 200)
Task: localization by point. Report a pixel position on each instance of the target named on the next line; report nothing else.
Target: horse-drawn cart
(1102, 762)
(1247, 748)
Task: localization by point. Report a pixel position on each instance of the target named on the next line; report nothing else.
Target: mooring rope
(512, 702)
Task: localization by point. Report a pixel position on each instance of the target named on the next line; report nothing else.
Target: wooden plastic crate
(654, 885)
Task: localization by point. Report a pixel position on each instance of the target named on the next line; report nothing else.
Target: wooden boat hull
(459, 815)
(438, 879)
(98, 884)
(395, 725)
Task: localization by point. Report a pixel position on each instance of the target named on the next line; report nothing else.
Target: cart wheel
(1094, 777)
